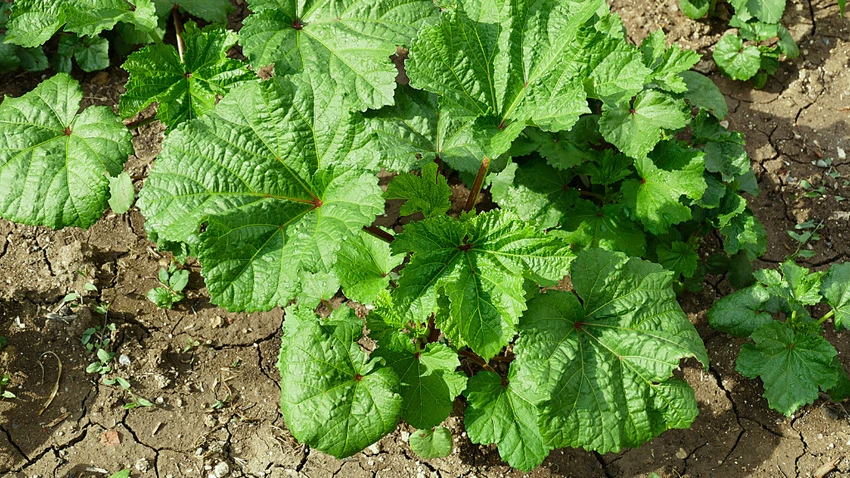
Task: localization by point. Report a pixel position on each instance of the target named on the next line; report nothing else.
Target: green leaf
(801, 286)
(786, 43)
(479, 264)
(55, 163)
(736, 60)
(608, 227)
(178, 280)
(668, 63)
(636, 129)
(678, 257)
(429, 382)
(536, 192)
(265, 171)
(349, 41)
(93, 54)
(364, 265)
(122, 194)
(620, 76)
(607, 168)
(835, 288)
(841, 389)
(792, 366)
(33, 59)
(428, 193)
(605, 366)
(417, 130)
(90, 17)
(434, 443)
(695, 8)
(745, 233)
(121, 474)
(768, 11)
(33, 22)
(742, 312)
(215, 11)
(842, 4)
(317, 288)
(336, 399)
(500, 412)
(703, 93)
(183, 90)
(655, 198)
(478, 60)
(392, 327)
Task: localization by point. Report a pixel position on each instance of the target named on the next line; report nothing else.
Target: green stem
(476, 186)
(178, 29)
(826, 316)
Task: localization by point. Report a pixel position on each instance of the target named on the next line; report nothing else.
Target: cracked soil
(212, 376)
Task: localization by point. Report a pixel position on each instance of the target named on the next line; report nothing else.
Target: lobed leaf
(434, 443)
(742, 312)
(428, 193)
(835, 288)
(604, 366)
(215, 11)
(55, 164)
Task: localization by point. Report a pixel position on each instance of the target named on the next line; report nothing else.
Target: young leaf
(695, 8)
(499, 412)
(478, 61)
(183, 90)
(364, 265)
(433, 443)
(655, 198)
(792, 365)
(536, 192)
(338, 401)
(349, 41)
(428, 193)
(55, 163)
(668, 63)
(678, 257)
(121, 474)
(703, 93)
(636, 129)
(392, 327)
(417, 129)
(478, 263)
(835, 288)
(768, 11)
(429, 382)
(736, 60)
(215, 11)
(745, 233)
(265, 171)
(122, 194)
(588, 226)
(605, 366)
(742, 312)
(92, 54)
(619, 76)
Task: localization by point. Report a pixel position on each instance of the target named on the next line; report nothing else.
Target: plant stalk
(178, 29)
(477, 359)
(379, 233)
(476, 186)
(826, 317)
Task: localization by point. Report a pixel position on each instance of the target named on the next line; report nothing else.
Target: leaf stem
(477, 359)
(140, 122)
(476, 186)
(379, 233)
(433, 331)
(591, 194)
(178, 30)
(826, 317)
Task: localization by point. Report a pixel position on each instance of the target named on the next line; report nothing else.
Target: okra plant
(597, 160)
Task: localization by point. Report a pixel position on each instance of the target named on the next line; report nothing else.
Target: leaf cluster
(790, 356)
(173, 282)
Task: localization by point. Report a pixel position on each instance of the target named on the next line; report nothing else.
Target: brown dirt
(800, 117)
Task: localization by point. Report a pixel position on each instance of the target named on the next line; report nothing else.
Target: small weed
(173, 282)
(809, 232)
(4, 382)
(190, 344)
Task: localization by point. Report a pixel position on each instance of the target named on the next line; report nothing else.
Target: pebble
(221, 470)
(841, 153)
(142, 465)
(681, 454)
(124, 360)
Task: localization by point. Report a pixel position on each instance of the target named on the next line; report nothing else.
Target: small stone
(124, 360)
(405, 436)
(374, 449)
(681, 454)
(142, 465)
(841, 153)
(217, 322)
(221, 470)
(161, 381)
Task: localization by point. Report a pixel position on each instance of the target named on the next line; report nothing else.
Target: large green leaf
(349, 40)
(792, 365)
(335, 398)
(429, 382)
(608, 227)
(835, 288)
(188, 87)
(55, 164)
(267, 171)
(736, 60)
(479, 263)
(604, 366)
(480, 61)
(500, 412)
(364, 266)
(416, 129)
